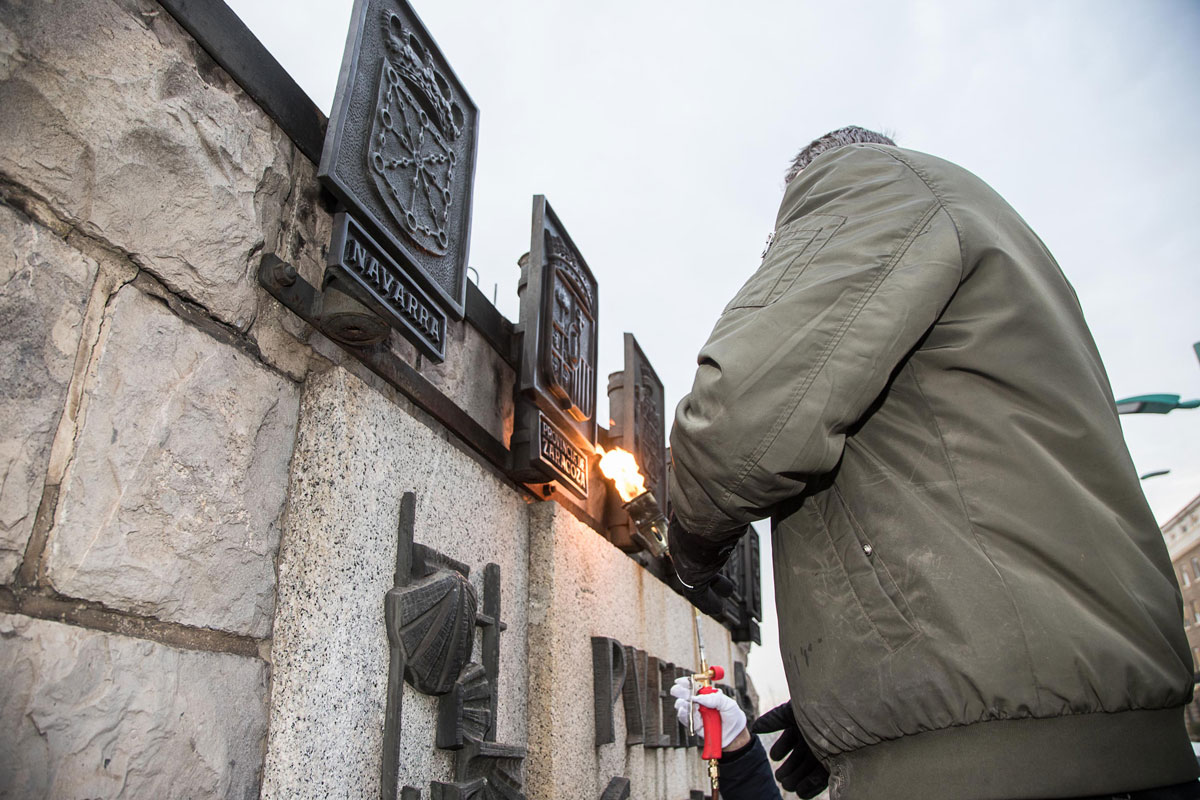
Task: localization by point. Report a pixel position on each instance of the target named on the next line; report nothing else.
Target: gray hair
(851, 134)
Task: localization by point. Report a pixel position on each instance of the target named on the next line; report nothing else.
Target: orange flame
(620, 467)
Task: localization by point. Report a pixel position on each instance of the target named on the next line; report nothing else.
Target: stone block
(87, 714)
(336, 562)
(476, 379)
(171, 504)
(44, 286)
(281, 336)
(137, 138)
(585, 587)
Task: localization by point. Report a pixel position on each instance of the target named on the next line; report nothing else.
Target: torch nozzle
(649, 524)
(713, 673)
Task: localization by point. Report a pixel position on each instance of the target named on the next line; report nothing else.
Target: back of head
(851, 134)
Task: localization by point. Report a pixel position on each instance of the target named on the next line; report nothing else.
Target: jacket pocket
(866, 571)
(793, 248)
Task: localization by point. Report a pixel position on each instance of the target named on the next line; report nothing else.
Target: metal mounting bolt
(284, 274)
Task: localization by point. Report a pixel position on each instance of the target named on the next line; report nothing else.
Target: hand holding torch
(711, 717)
(650, 531)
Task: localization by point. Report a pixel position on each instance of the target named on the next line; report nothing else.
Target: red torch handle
(712, 726)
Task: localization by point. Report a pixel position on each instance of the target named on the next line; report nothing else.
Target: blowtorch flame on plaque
(650, 527)
(649, 524)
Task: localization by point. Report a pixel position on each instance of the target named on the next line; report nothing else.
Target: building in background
(1182, 534)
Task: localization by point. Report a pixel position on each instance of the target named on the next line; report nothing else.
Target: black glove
(709, 597)
(801, 773)
(697, 559)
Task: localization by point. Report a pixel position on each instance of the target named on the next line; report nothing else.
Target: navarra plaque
(400, 149)
(387, 288)
(557, 375)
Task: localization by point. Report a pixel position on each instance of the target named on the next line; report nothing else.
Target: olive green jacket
(974, 598)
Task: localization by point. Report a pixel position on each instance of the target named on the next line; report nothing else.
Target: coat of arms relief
(411, 151)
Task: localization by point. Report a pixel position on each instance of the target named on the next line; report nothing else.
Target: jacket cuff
(747, 774)
(698, 559)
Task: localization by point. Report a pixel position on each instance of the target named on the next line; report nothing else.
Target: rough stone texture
(336, 563)
(131, 133)
(175, 462)
(307, 224)
(87, 715)
(303, 241)
(44, 287)
(476, 379)
(582, 587)
(171, 504)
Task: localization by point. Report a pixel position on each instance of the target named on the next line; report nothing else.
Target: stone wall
(200, 493)
(584, 587)
(330, 652)
(150, 406)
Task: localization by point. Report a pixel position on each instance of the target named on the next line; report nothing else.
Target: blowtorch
(711, 717)
(649, 522)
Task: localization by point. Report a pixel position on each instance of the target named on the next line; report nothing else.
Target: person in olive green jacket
(974, 599)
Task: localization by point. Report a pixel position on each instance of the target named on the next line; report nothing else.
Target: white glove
(733, 719)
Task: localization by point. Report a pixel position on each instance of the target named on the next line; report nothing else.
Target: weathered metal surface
(470, 790)
(467, 711)
(685, 738)
(652, 723)
(390, 768)
(557, 375)
(384, 284)
(492, 626)
(633, 695)
(741, 692)
(400, 149)
(671, 728)
(502, 765)
(636, 407)
(617, 789)
(433, 621)
(742, 610)
(608, 679)
(430, 616)
(543, 451)
(345, 319)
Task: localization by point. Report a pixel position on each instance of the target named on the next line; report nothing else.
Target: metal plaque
(618, 789)
(608, 681)
(637, 407)
(742, 610)
(393, 293)
(400, 148)
(431, 614)
(557, 373)
(544, 452)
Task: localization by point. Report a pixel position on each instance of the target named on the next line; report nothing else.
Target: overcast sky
(659, 131)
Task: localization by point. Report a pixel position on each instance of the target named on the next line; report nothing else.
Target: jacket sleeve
(863, 261)
(746, 774)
